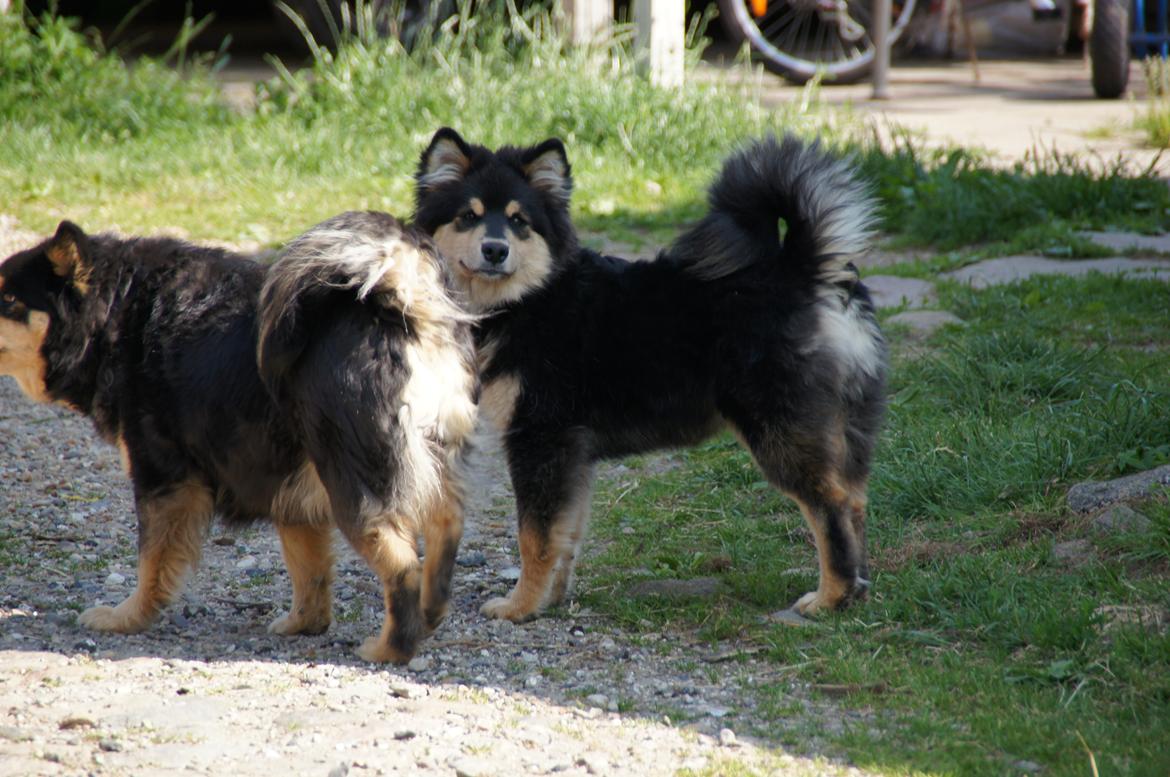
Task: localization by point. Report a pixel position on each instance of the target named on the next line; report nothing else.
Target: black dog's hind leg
(809, 467)
(172, 524)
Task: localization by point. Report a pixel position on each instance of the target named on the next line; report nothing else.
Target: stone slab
(923, 323)
(1009, 269)
(1084, 497)
(890, 291)
(1130, 241)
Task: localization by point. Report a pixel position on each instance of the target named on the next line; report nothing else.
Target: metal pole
(881, 49)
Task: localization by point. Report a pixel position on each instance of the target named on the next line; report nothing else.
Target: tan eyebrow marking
(477, 206)
(512, 209)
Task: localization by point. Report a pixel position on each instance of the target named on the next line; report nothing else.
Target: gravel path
(208, 690)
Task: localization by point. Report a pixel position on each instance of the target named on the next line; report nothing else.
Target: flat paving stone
(1130, 241)
(923, 323)
(1009, 269)
(1092, 495)
(890, 291)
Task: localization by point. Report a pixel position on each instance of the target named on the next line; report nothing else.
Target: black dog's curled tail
(356, 258)
(828, 213)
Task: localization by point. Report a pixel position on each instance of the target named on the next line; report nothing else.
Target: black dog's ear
(66, 252)
(546, 166)
(446, 160)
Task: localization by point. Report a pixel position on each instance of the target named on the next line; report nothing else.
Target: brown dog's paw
(377, 651)
(504, 608)
(291, 624)
(113, 619)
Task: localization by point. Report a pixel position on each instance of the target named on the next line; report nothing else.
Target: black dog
(336, 388)
(585, 357)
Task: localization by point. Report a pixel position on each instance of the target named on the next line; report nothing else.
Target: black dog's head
(35, 286)
(500, 218)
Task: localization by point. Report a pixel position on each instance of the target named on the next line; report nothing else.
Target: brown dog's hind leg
(172, 525)
(442, 531)
(309, 558)
(390, 551)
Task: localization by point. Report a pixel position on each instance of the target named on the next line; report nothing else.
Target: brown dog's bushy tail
(363, 347)
(361, 258)
(828, 214)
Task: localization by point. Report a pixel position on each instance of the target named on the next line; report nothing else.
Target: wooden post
(589, 20)
(660, 39)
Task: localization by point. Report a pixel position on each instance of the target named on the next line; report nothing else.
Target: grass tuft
(1156, 120)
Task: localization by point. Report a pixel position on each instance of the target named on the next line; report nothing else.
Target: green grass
(979, 651)
(1155, 122)
(150, 147)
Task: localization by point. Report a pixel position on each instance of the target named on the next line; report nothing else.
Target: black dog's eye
(9, 299)
(517, 220)
(469, 217)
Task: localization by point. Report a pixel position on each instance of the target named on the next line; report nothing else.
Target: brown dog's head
(500, 218)
(37, 286)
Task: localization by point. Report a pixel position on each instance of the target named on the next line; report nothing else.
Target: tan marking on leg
(857, 504)
(538, 557)
(497, 401)
(308, 555)
(124, 455)
(834, 490)
(541, 556)
(391, 554)
(577, 518)
(442, 531)
(302, 498)
(831, 588)
(173, 526)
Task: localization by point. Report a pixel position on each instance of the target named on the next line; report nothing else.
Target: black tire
(1109, 48)
(793, 40)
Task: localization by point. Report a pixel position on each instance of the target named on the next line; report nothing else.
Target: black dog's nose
(494, 251)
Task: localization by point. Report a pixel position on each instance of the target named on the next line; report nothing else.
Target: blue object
(1153, 41)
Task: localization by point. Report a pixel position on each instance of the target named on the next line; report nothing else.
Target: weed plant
(1156, 121)
(150, 145)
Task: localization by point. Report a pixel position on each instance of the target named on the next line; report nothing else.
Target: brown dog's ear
(546, 166)
(67, 254)
(65, 249)
(446, 160)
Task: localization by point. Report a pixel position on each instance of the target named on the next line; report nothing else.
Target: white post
(881, 50)
(660, 39)
(589, 20)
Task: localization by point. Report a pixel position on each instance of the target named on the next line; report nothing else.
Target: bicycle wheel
(1109, 48)
(800, 38)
